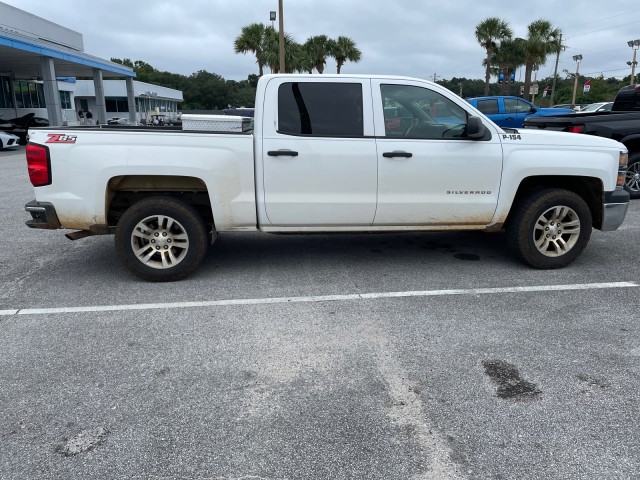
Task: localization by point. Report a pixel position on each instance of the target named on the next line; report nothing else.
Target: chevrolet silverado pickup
(622, 124)
(322, 156)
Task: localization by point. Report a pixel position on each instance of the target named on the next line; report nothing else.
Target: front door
(429, 172)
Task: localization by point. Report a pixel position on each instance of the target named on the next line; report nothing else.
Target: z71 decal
(511, 136)
(61, 138)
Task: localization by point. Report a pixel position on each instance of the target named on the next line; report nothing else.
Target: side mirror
(475, 128)
(533, 110)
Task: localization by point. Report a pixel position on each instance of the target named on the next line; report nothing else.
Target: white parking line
(319, 298)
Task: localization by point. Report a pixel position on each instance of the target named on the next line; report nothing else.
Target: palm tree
(344, 49)
(508, 56)
(271, 51)
(488, 32)
(542, 40)
(251, 39)
(318, 48)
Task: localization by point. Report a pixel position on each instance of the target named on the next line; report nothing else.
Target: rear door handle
(397, 153)
(282, 153)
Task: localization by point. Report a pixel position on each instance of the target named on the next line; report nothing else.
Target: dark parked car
(19, 126)
(622, 123)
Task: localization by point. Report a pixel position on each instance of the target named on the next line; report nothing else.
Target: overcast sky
(418, 38)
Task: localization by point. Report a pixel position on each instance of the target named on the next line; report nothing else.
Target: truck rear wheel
(161, 239)
(632, 178)
(550, 228)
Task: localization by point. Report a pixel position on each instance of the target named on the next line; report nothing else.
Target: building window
(29, 94)
(6, 101)
(117, 104)
(65, 100)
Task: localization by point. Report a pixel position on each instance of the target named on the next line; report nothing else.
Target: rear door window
(320, 109)
(488, 107)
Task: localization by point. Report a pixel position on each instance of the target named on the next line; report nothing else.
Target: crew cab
(511, 112)
(622, 124)
(324, 157)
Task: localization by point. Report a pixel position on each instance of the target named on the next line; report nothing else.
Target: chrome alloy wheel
(556, 231)
(159, 242)
(632, 177)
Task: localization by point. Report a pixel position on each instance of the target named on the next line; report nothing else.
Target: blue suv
(510, 112)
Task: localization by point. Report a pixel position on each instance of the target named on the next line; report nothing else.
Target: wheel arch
(632, 143)
(125, 190)
(590, 189)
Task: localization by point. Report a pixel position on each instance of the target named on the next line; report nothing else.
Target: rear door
(318, 153)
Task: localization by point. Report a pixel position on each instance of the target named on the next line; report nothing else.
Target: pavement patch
(83, 442)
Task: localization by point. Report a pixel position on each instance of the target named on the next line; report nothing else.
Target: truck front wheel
(632, 178)
(161, 239)
(550, 228)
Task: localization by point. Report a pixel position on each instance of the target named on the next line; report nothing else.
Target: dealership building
(45, 70)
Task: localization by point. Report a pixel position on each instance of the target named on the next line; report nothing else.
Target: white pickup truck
(327, 153)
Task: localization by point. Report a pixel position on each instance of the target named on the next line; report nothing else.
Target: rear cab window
(320, 109)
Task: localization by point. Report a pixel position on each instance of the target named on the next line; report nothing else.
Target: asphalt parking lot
(412, 356)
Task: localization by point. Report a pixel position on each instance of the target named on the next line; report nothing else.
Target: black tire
(632, 178)
(169, 236)
(550, 228)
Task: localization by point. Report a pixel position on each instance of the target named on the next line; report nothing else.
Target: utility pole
(281, 38)
(633, 44)
(555, 73)
(577, 59)
(435, 77)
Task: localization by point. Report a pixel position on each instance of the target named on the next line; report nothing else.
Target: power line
(601, 19)
(603, 29)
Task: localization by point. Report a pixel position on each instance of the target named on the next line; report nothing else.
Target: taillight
(39, 165)
(576, 129)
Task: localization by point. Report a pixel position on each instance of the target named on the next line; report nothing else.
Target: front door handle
(282, 153)
(397, 153)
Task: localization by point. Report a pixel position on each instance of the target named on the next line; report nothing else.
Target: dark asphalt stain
(509, 384)
(163, 371)
(431, 245)
(467, 256)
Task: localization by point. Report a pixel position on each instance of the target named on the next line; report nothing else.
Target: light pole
(281, 37)
(577, 59)
(535, 83)
(634, 44)
(272, 17)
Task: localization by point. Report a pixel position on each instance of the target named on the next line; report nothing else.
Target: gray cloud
(416, 38)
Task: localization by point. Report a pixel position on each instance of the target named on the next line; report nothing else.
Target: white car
(118, 121)
(8, 140)
(597, 107)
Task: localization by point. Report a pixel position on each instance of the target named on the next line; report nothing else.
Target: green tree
(488, 32)
(508, 56)
(344, 49)
(271, 51)
(318, 48)
(252, 39)
(542, 40)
